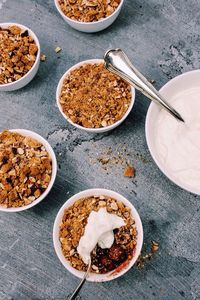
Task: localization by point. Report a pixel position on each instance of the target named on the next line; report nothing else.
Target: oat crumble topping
(88, 10)
(25, 169)
(93, 97)
(18, 53)
(72, 229)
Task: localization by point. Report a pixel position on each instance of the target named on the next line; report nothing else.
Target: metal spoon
(117, 62)
(77, 290)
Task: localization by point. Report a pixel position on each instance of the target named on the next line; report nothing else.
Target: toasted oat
(25, 169)
(73, 224)
(129, 171)
(88, 10)
(93, 97)
(18, 53)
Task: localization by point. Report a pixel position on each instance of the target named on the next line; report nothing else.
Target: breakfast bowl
(89, 27)
(23, 66)
(177, 156)
(104, 267)
(28, 169)
(93, 99)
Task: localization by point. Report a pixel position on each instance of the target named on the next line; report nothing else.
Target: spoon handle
(77, 290)
(117, 62)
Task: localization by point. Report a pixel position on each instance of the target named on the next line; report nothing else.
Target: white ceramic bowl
(91, 130)
(49, 149)
(18, 84)
(90, 26)
(92, 276)
(180, 83)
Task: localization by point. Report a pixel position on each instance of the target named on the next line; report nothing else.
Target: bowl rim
(148, 134)
(87, 23)
(3, 25)
(57, 247)
(92, 130)
(50, 150)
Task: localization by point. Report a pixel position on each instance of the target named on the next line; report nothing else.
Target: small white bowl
(18, 84)
(92, 276)
(49, 149)
(91, 130)
(90, 27)
(178, 84)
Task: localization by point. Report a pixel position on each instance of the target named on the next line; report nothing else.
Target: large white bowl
(49, 149)
(91, 130)
(90, 27)
(92, 276)
(178, 84)
(18, 84)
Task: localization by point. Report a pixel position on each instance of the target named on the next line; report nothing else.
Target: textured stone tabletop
(162, 38)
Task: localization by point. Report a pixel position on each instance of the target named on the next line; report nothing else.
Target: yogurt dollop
(99, 230)
(177, 143)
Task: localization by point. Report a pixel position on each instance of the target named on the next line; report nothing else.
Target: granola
(88, 10)
(103, 260)
(18, 52)
(25, 169)
(93, 97)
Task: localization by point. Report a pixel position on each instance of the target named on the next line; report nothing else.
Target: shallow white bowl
(91, 130)
(90, 27)
(49, 149)
(18, 84)
(92, 276)
(178, 84)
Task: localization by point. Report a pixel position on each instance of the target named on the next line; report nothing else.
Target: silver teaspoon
(77, 290)
(117, 62)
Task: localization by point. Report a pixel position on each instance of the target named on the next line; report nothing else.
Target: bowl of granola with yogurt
(20, 56)
(93, 99)
(27, 169)
(98, 225)
(89, 15)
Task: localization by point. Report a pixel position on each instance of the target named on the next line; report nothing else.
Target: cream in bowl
(95, 225)
(20, 56)
(92, 98)
(27, 169)
(89, 15)
(175, 145)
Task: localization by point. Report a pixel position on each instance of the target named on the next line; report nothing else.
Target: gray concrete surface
(162, 38)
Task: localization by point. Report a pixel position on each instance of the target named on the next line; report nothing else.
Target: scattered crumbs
(147, 256)
(57, 49)
(43, 57)
(129, 171)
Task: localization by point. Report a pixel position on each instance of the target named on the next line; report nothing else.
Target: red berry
(117, 253)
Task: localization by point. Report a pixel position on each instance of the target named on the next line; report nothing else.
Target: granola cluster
(25, 169)
(103, 260)
(88, 10)
(18, 53)
(93, 97)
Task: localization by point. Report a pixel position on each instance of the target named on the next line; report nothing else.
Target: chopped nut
(20, 151)
(57, 49)
(129, 171)
(154, 246)
(42, 57)
(114, 206)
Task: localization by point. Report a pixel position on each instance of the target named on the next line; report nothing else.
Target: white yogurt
(99, 230)
(178, 143)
